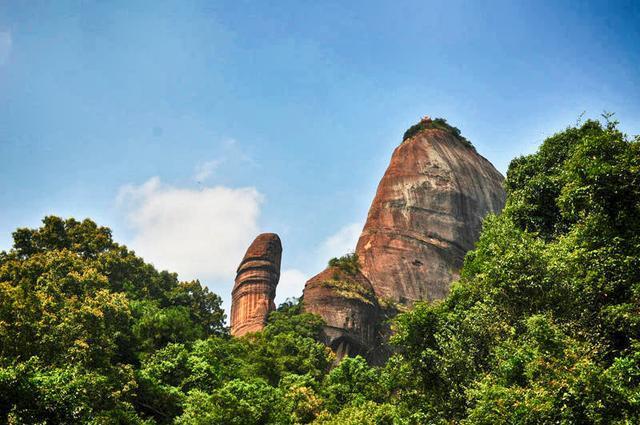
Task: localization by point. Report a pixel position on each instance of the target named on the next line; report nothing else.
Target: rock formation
(427, 214)
(255, 285)
(347, 303)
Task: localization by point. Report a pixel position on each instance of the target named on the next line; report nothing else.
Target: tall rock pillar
(255, 285)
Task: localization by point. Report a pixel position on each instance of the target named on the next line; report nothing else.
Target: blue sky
(189, 127)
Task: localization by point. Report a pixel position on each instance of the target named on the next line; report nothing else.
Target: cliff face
(255, 285)
(347, 303)
(426, 215)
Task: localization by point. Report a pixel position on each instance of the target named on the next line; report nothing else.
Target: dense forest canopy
(543, 326)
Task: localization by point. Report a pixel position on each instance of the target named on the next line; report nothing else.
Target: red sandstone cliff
(255, 285)
(426, 215)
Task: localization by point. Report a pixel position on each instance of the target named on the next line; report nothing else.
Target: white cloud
(205, 169)
(197, 233)
(290, 285)
(6, 42)
(340, 243)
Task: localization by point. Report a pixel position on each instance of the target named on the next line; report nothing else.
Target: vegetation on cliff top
(343, 282)
(350, 289)
(438, 124)
(543, 326)
(349, 263)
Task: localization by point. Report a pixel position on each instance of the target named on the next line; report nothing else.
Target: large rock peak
(255, 285)
(427, 214)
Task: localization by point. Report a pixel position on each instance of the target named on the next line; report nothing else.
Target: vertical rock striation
(427, 214)
(255, 285)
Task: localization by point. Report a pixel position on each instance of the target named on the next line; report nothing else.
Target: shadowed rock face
(255, 285)
(348, 305)
(426, 215)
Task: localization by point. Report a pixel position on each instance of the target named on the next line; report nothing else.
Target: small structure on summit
(254, 291)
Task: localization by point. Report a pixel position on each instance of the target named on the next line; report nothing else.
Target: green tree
(545, 316)
(351, 381)
(367, 413)
(69, 295)
(236, 403)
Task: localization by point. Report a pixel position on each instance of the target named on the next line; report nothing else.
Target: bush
(348, 263)
(435, 124)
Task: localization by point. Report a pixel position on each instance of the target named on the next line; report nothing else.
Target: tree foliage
(542, 327)
(545, 319)
(79, 314)
(348, 263)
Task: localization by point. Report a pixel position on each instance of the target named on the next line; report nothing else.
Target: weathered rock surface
(255, 285)
(348, 305)
(426, 215)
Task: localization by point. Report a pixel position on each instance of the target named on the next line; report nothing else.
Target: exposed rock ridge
(255, 285)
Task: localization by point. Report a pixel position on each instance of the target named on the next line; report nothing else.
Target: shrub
(435, 124)
(348, 263)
